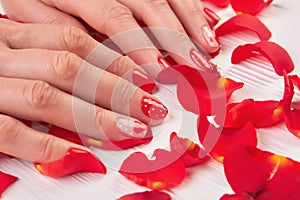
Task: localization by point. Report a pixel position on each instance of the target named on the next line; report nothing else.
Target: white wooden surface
(203, 182)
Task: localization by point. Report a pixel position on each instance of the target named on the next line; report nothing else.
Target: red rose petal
(3, 16)
(162, 173)
(277, 55)
(205, 96)
(75, 161)
(171, 75)
(228, 137)
(292, 121)
(65, 134)
(101, 144)
(248, 169)
(287, 169)
(147, 195)
(237, 114)
(188, 151)
(5, 181)
(244, 22)
(235, 197)
(220, 3)
(249, 6)
(295, 80)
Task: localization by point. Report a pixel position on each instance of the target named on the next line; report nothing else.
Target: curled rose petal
(276, 54)
(295, 80)
(220, 3)
(101, 144)
(5, 181)
(249, 6)
(226, 138)
(248, 169)
(163, 172)
(244, 22)
(75, 161)
(147, 195)
(197, 94)
(188, 151)
(259, 113)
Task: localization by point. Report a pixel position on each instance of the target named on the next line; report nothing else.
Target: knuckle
(99, 112)
(122, 95)
(44, 148)
(65, 66)
(74, 39)
(39, 94)
(117, 12)
(8, 130)
(161, 4)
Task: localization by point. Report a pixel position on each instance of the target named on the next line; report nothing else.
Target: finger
(38, 101)
(116, 21)
(36, 11)
(191, 15)
(18, 140)
(168, 30)
(74, 40)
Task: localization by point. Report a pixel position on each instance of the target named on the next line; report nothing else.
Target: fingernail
(212, 15)
(201, 61)
(209, 36)
(154, 109)
(75, 160)
(143, 80)
(163, 62)
(131, 127)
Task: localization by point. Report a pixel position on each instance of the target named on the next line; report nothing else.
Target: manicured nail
(143, 81)
(76, 160)
(131, 127)
(154, 109)
(212, 15)
(209, 36)
(163, 63)
(201, 61)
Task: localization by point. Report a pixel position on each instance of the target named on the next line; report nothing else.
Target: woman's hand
(174, 22)
(44, 77)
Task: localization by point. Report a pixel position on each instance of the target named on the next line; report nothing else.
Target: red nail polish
(163, 63)
(143, 81)
(212, 15)
(76, 160)
(154, 109)
(201, 61)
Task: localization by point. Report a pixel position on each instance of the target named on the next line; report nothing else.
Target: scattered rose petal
(248, 169)
(249, 6)
(260, 175)
(163, 172)
(295, 80)
(188, 151)
(244, 22)
(75, 161)
(277, 55)
(226, 137)
(235, 197)
(3, 16)
(101, 144)
(220, 3)
(197, 93)
(147, 195)
(259, 113)
(5, 181)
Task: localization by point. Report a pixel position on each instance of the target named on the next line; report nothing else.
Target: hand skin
(40, 66)
(172, 22)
